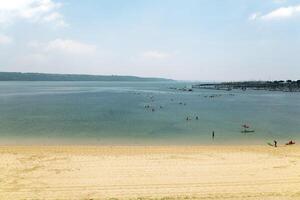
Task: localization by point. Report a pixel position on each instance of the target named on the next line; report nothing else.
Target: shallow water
(115, 113)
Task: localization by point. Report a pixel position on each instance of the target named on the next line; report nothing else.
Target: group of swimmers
(189, 118)
(152, 108)
(291, 142)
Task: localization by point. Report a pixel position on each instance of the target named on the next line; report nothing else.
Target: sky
(208, 40)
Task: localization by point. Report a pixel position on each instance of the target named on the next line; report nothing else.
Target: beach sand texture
(153, 172)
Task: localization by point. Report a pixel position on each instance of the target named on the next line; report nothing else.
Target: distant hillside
(17, 76)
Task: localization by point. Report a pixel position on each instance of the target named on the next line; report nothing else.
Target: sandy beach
(156, 172)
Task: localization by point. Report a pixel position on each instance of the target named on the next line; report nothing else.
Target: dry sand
(204, 172)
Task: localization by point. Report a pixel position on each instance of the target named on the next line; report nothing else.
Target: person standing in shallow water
(275, 143)
(213, 135)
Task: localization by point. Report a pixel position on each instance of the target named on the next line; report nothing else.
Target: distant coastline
(284, 86)
(19, 76)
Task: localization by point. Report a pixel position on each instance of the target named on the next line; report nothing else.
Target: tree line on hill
(18, 76)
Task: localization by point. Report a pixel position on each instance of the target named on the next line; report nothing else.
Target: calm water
(115, 113)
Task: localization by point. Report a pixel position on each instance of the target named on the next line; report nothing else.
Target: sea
(143, 113)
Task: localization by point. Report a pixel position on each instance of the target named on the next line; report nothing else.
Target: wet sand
(153, 172)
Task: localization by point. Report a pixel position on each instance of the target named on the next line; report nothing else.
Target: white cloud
(70, 46)
(57, 18)
(53, 17)
(156, 55)
(30, 10)
(4, 39)
(65, 46)
(280, 13)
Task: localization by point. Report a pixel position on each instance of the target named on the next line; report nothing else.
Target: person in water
(213, 135)
(275, 143)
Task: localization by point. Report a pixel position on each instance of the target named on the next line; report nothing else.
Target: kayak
(247, 131)
(270, 144)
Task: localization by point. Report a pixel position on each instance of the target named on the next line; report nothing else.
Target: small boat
(290, 143)
(247, 129)
(270, 144)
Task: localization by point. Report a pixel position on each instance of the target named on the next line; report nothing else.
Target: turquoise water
(115, 113)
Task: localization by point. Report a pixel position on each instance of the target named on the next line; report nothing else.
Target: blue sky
(179, 39)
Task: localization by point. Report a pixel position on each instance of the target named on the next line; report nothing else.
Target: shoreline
(219, 140)
(149, 172)
(145, 146)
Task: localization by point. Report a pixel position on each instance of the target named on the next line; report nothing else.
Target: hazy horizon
(167, 78)
(206, 40)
